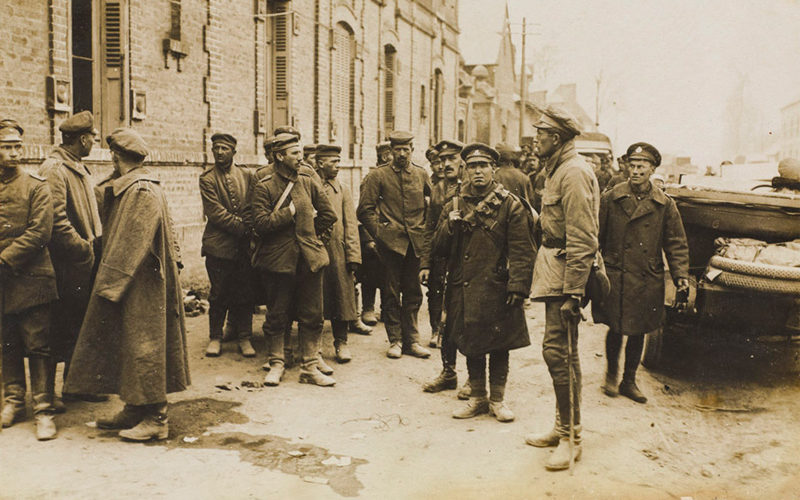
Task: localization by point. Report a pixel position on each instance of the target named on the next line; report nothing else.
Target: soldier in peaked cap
(392, 208)
(308, 153)
(570, 203)
(293, 217)
(437, 171)
(225, 189)
(28, 285)
(485, 235)
(383, 150)
(133, 339)
(637, 223)
(622, 175)
(509, 175)
(434, 269)
(76, 237)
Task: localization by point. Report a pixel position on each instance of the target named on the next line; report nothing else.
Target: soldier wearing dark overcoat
(225, 189)
(485, 233)
(392, 208)
(638, 222)
(27, 285)
(75, 244)
(509, 175)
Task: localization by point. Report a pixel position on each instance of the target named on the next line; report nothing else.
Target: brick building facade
(342, 71)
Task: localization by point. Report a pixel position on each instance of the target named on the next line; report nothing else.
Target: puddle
(191, 418)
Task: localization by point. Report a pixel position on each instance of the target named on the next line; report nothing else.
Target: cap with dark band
(479, 152)
(10, 131)
(127, 142)
(323, 150)
(399, 138)
(309, 148)
(644, 151)
(382, 147)
(226, 139)
(282, 142)
(79, 123)
(431, 154)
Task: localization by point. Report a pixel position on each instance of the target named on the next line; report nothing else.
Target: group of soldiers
(290, 236)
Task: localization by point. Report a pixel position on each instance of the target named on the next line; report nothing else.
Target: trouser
(498, 374)
(339, 328)
(26, 334)
(555, 353)
(401, 294)
(301, 292)
(230, 295)
(633, 353)
(369, 275)
(449, 349)
(435, 294)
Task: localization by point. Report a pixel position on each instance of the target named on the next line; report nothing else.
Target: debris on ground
(296, 453)
(193, 305)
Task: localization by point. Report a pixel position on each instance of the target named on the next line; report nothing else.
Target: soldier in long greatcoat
(133, 340)
(486, 235)
(637, 223)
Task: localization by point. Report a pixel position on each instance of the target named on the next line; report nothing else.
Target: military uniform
(291, 256)
(76, 233)
(392, 208)
(225, 191)
(28, 287)
(510, 176)
(570, 204)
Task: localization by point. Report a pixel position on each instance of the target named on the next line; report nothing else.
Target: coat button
(466, 256)
(466, 283)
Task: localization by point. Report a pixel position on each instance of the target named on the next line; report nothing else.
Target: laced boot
(369, 318)
(275, 375)
(474, 407)
(322, 366)
(395, 351)
(310, 374)
(496, 405)
(445, 381)
(214, 348)
(12, 412)
(154, 426)
(629, 389)
(126, 418)
(610, 385)
(40, 368)
(342, 352)
(416, 350)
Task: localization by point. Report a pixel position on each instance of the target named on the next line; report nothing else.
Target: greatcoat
(632, 237)
(488, 255)
(343, 248)
(133, 340)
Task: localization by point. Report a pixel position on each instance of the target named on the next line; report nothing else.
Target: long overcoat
(26, 223)
(133, 339)
(570, 204)
(632, 237)
(344, 248)
(488, 257)
(76, 229)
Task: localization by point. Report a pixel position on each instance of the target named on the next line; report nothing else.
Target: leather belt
(550, 242)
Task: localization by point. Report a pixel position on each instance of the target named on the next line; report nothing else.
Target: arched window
(343, 64)
(389, 68)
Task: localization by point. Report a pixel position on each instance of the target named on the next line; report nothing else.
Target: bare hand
(424, 274)
(292, 209)
(571, 310)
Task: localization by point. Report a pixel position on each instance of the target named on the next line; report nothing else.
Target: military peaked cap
(224, 138)
(128, 142)
(431, 154)
(309, 148)
(286, 129)
(447, 147)
(644, 151)
(282, 142)
(507, 152)
(79, 123)
(10, 131)
(398, 137)
(555, 117)
(327, 150)
(382, 147)
(479, 152)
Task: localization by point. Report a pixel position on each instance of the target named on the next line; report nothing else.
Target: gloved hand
(424, 274)
(571, 310)
(515, 299)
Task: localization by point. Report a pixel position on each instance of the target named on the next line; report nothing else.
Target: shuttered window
(343, 90)
(389, 68)
(281, 24)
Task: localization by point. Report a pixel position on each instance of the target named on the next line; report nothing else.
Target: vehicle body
(733, 300)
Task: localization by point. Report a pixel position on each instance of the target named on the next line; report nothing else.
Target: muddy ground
(723, 423)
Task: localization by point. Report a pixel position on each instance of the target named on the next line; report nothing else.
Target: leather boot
(275, 374)
(496, 405)
(40, 368)
(214, 348)
(547, 439)
(358, 327)
(610, 385)
(559, 460)
(395, 351)
(310, 374)
(45, 426)
(629, 389)
(246, 348)
(416, 350)
(473, 408)
(445, 381)
(464, 392)
(342, 352)
(127, 418)
(369, 318)
(154, 425)
(322, 366)
(12, 411)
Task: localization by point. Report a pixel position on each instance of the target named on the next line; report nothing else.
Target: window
(343, 89)
(82, 60)
(389, 65)
(461, 130)
(423, 112)
(438, 94)
(281, 67)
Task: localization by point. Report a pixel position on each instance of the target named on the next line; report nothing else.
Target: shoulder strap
(284, 195)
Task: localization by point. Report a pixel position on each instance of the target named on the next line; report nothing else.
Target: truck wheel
(755, 269)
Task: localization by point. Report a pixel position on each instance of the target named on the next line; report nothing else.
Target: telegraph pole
(522, 84)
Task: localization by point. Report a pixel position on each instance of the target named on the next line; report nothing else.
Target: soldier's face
(480, 173)
(10, 153)
(329, 165)
(452, 166)
(640, 170)
(290, 157)
(385, 157)
(87, 143)
(546, 143)
(401, 154)
(223, 153)
(437, 168)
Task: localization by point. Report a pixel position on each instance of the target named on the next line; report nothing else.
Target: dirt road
(719, 426)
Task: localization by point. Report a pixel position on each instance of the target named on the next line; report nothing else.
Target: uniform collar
(623, 190)
(407, 168)
(559, 156)
(334, 184)
(120, 184)
(73, 162)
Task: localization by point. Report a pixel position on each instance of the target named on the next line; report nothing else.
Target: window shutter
(113, 99)
(281, 48)
(112, 21)
(389, 78)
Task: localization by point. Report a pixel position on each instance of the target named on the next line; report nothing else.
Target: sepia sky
(668, 68)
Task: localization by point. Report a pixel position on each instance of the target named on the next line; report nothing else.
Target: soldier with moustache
(509, 175)
(392, 208)
(485, 233)
(569, 224)
(75, 244)
(437, 169)
(225, 189)
(27, 285)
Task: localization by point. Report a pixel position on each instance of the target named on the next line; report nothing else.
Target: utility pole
(598, 79)
(522, 84)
